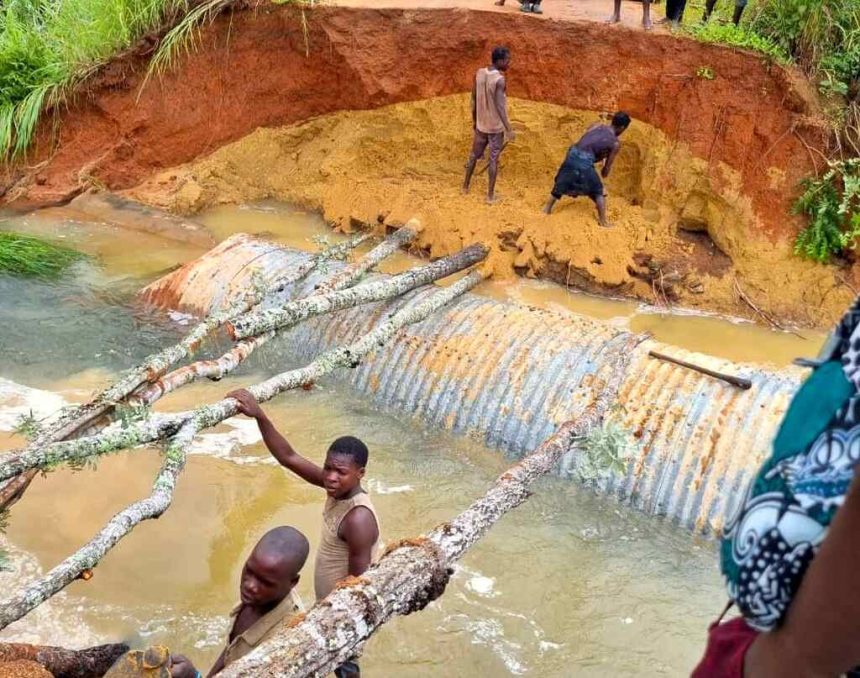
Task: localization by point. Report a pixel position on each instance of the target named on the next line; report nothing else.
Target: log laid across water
(513, 374)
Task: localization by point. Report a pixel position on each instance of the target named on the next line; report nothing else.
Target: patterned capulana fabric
(793, 499)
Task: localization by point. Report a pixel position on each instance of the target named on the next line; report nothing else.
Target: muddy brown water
(569, 584)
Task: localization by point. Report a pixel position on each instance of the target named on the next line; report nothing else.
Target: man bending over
(577, 175)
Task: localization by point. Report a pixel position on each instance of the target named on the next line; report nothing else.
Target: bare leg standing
(600, 202)
(616, 15)
(470, 169)
(646, 15)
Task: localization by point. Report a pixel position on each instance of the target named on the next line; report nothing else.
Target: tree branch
(72, 420)
(188, 424)
(413, 572)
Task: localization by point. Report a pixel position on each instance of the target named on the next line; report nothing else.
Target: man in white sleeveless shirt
(489, 119)
(350, 539)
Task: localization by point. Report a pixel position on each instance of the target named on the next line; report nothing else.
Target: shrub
(832, 204)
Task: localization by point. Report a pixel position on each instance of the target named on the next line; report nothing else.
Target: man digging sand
(577, 175)
(490, 119)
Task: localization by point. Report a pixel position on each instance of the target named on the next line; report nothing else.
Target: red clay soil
(251, 70)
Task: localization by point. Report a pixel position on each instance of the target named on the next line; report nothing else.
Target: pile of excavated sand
(672, 225)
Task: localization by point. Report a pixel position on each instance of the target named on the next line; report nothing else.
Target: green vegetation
(49, 46)
(25, 255)
(738, 36)
(605, 451)
(705, 73)
(823, 38)
(832, 203)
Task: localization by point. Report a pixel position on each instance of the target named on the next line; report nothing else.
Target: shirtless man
(646, 14)
(350, 535)
(266, 590)
(490, 119)
(577, 175)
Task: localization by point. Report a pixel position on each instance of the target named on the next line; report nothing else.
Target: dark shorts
(482, 139)
(577, 176)
(347, 670)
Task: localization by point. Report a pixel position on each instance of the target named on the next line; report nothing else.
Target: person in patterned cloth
(790, 556)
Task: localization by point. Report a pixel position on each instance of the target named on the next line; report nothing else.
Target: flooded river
(568, 584)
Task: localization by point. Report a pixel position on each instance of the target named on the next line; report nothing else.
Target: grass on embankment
(823, 38)
(49, 46)
(24, 255)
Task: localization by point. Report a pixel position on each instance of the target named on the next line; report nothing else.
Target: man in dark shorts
(577, 175)
(490, 119)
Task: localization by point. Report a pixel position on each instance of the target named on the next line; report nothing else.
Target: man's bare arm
(360, 532)
(277, 444)
(501, 102)
(821, 633)
(475, 103)
(607, 165)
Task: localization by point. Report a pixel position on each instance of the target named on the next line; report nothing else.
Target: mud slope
(673, 227)
(252, 70)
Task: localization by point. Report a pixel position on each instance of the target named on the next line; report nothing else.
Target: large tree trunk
(413, 572)
(91, 662)
(188, 424)
(73, 420)
(121, 435)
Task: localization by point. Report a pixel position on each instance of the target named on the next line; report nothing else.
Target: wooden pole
(739, 382)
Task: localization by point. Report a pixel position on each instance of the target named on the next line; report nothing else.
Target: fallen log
(121, 435)
(260, 322)
(394, 286)
(413, 572)
(354, 271)
(189, 423)
(91, 662)
(71, 421)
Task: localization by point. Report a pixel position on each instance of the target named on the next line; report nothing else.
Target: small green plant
(832, 203)
(27, 426)
(705, 73)
(604, 451)
(27, 256)
(131, 414)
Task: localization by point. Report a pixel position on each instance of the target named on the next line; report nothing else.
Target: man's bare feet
(494, 199)
(499, 3)
(614, 19)
(464, 190)
(647, 25)
(605, 224)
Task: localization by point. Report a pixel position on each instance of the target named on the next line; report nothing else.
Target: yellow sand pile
(398, 162)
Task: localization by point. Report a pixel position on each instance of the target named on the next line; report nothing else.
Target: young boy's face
(341, 475)
(267, 578)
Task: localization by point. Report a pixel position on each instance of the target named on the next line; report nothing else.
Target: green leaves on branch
(832, 204)
(603, 452)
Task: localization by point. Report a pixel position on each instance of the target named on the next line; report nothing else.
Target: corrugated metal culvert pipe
(512, 374)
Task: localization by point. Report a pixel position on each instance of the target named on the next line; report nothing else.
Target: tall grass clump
(26, 256)
(823, 38)
(48, 46)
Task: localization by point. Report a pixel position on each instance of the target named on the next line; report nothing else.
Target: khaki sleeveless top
(487, 118)
(332, 562)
